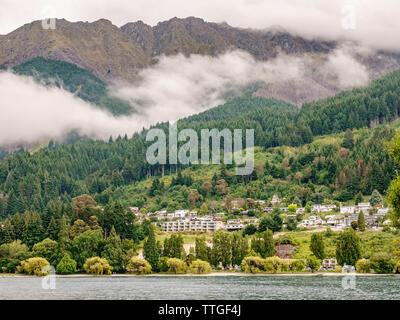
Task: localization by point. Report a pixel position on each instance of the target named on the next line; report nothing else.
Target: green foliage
(221, 251)
(97, 266)
(317, 245)
(173, 247)
(67, 265)
(176, 266)
(35, 266)
(363, 266)
(47, 249)
(361, 221)
(376, 198)
(382, 262)
(249, 230)
(138, 266)
(263, 244)
(253, 265)
(272, 222)
(202, 250)
(348, 248)
(313, 263)
(11, 255)
(150, 250)
(200, 267)
(86, 245)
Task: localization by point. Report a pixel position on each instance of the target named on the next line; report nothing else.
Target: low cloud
(371, 22)
(176, 87)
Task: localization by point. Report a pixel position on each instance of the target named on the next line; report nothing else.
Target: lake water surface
(207, 287)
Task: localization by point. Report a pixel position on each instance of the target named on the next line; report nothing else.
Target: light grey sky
(374, 22)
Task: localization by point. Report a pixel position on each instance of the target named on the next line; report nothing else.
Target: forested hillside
(61, 172)
(73, 79)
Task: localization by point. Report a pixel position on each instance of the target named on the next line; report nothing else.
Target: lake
(204, 287)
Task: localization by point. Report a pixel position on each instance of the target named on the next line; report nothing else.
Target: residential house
(347, 209)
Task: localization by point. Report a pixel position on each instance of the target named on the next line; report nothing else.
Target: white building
(347, 209)
(192, 225)
(322, 207)
(363, 206)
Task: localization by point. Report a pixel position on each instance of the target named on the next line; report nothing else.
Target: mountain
(104, 169)
(76, 80)
(112, 53)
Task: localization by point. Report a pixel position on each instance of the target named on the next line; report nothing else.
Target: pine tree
(376, 198)
(348, 248)
(33, 230)
(150, 249)
(52, 230)
(317, 245)
(361, 221)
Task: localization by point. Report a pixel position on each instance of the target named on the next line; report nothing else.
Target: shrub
(272, 264)
(176, 266)
(397, 268)
(138, 266)
(253, 265)
(382, 263)
(338, 269)
(162, 264)
(67, 265)
(35, 266)
(297, 265)
(313, 263)
(363, 266)
(200, 266)
(97, 266)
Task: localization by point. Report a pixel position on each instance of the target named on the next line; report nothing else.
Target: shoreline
(213, 274)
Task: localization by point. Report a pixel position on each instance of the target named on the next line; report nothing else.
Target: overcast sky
(375, 22)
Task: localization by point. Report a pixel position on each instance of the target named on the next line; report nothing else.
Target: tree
(193, 197)
(313, 263)
(47, 249)
(207, 187)
(221, 251)
(52, 229)
(264, 244)
(81, 203)
(291, 224)
(11, 254)
(67, 265)
(361, 221)
(202, 251)
(86, 245)
(317, 245)
(33, 229)
(348, 141)
(35, 266)
(138, 266)
(200, 267)
(150, 249)
(173, 247)
(249, 230)
(272, 222)
(113, 251)
(348, 248)
(97, 266)
(203, 209)
(176, 266)
(382, 263)
(240, 247)
(376, 198)
(358, 198)
(78, 227)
